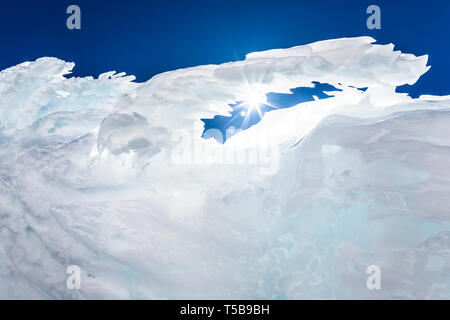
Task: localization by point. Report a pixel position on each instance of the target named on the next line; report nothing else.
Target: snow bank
(113, 176)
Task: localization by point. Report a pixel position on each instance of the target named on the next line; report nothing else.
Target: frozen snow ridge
(91, 175)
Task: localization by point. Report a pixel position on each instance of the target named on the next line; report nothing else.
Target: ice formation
(113, 176)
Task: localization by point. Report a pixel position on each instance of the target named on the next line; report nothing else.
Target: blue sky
(145, 38)
(245, 115)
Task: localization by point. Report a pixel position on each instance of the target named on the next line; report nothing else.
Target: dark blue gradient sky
(145, 38)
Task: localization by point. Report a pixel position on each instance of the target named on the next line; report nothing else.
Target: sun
(253, 100)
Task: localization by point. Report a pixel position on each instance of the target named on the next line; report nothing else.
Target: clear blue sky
(145, 38)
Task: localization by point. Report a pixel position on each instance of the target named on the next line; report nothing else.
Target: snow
(115, 177)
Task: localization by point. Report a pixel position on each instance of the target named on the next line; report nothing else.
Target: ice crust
(88, 177)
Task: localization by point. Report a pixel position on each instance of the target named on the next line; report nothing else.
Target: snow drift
(110, 175)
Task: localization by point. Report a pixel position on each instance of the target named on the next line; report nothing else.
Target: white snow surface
(91, 175)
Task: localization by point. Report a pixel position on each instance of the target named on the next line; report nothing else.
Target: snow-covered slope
(113, 176)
